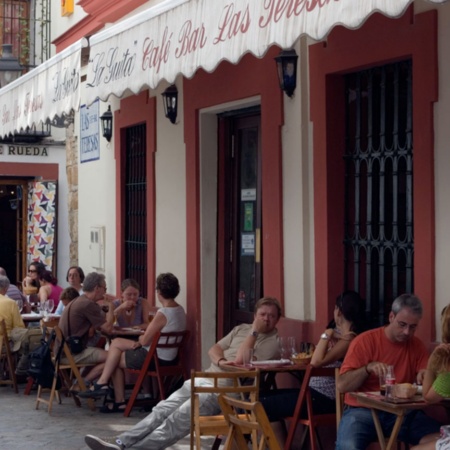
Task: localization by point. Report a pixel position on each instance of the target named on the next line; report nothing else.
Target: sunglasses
(32, 271)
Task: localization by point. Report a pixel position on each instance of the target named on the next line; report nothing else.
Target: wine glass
(20, 305)
(292, 346)
(283, 346)
(43, 309)
(50, 305)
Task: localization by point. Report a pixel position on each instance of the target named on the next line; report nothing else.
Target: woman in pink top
(49, 289)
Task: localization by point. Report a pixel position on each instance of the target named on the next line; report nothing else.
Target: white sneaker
(106, 443)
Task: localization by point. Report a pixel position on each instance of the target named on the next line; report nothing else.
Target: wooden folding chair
(243, 418)
(312, 420)
(67, 372)
(244, 384)
(339, 399)
(7, 359)
(153, 368)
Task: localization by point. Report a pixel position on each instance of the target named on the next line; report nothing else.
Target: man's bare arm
(352, 380)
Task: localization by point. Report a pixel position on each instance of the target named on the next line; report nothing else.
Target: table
(29, 318)
(269, 371)
(376, 402)
(126, 332)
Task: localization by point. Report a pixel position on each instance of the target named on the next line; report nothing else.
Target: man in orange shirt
(367, 358)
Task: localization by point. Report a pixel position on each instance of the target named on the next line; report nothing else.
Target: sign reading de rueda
(20, 150)
(162, 43)
(89, 133)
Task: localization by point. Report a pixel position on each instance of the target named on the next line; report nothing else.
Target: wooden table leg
(380, 434)
(394, 434)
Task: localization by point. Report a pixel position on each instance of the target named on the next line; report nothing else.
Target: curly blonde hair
(440, 358)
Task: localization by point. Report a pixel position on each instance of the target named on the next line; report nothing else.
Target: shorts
(134, 359)
(90, 355)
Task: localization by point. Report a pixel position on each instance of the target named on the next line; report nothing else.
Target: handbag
(75, 343)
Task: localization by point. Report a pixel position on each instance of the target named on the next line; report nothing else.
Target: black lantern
(170, 100)
(287, 71)
(10, 69)
(107, 123)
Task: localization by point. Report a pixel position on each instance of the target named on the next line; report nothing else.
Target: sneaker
(97, 443)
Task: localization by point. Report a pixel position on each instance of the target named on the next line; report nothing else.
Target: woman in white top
(126, 353)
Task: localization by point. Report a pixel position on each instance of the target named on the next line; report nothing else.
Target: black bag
(41, 367)
(75, 344)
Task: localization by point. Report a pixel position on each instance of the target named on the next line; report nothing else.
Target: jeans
(357, 430)
(170, 419)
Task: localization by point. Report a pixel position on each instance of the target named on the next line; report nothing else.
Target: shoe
(97, 443)
(114, 407)
(96, 391)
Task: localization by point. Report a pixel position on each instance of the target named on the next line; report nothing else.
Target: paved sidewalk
(22, 427)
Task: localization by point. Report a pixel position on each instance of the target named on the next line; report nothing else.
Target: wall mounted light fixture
(10, 69)
(106, 120)
(170, 100)
(287, 71)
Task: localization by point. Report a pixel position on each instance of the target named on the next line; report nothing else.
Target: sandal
(96, 391)
(108, 408)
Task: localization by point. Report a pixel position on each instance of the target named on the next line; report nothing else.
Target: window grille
(379, 229)
(135, 206)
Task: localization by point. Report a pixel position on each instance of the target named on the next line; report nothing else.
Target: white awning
(181, 36)
(49, 90)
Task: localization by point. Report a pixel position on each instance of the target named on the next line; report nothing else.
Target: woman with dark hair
(348, 321)
(131, 310)
(35, 269)
(75, 277)
(49, 289)
(126, 353)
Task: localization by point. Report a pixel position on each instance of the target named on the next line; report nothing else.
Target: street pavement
(22, 427)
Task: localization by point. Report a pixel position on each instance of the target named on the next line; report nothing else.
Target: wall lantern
(10, 69)
(170, 100)
(107, 123)
(287, 71)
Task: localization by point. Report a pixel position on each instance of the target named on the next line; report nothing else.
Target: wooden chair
(153, 368)
(66, 372)
(7, 359)
(247, 417)
(228, 383)
(312, 420)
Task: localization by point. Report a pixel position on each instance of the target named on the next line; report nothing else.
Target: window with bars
(25, 25)
(379, 228)
(135, 206)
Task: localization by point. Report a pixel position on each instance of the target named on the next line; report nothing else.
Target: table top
(31, 317)
(396, 405)
(126, 331)
(270, 367)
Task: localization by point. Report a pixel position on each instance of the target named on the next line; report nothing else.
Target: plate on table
(272, 362)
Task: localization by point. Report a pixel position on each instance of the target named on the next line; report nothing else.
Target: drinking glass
(20, 304)
(292, 346)
(50, 305)
(284, 347)
(43, 308)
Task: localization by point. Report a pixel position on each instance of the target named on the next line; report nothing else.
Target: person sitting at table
(81, 316)
(23, 339)
(348, 321)
(436, 383)
(35, 269)
(49, 289)
(127, 353)
(13, 291)
(67, 295)
(170, 419)
(131, 310)
(75, 278)
(367, 358)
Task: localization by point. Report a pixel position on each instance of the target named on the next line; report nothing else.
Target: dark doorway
(242, 205)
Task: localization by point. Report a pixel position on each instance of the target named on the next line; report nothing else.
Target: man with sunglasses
(367, 358)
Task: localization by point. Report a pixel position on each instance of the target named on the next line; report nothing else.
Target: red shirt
(408, 358)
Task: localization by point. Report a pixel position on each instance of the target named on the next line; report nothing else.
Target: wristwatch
(254, 333)
(324, 336)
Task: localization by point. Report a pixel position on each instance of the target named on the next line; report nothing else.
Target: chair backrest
(243, 416)
(6, 354)
(243, 384)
